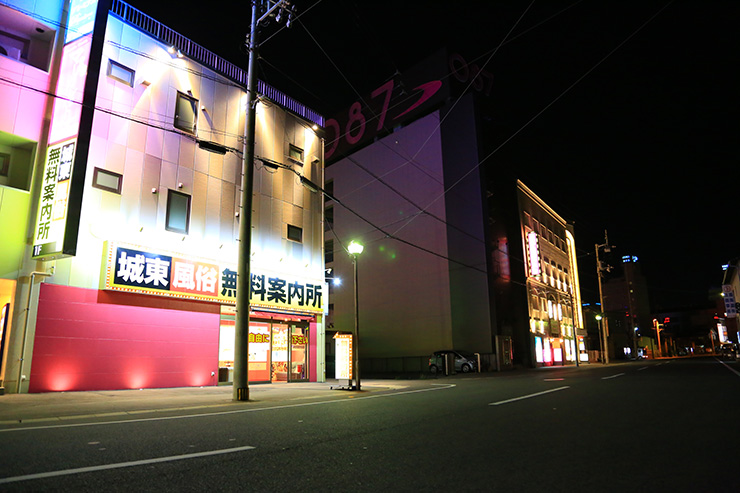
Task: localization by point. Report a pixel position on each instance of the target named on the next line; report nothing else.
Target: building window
(329, 216)
(4, 164)
(295, 153)
(329, 189)
(178, 212)
(25, 39)
(295, 233)
(186, 113)
(107, 180)
(328, 251)
(121, 73)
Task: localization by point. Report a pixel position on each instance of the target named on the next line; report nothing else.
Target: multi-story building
(458, 252)
(627, 307)
(120, 189)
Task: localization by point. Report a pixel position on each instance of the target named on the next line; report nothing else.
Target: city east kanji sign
(132, 269)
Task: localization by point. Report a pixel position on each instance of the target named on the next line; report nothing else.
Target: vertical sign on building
(729, 297)
(55, 235)
(52, 213)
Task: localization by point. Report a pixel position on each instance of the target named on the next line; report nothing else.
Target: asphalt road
(643, 426)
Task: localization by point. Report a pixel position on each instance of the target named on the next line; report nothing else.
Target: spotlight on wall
(154, 190)
(179, 185)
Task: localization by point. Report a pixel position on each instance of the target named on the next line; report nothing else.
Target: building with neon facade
(120, 182)
(459, 253)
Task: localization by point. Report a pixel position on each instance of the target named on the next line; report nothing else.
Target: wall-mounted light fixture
(179, 185)
(154, 190)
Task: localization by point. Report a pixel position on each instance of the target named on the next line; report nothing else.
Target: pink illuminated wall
(94, 340)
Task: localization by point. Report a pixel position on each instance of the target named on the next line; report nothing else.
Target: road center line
(237, 411)
(643, 368)
(104, 467)
(612, 376)
(528, 396)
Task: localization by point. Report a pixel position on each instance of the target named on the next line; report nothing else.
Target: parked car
(728, 350)
(465, 361)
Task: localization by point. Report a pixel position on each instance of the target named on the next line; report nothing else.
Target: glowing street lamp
(598, 318)
(355, 249)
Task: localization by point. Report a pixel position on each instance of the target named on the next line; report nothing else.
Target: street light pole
(601, 337)
(355, 249)
(599, 270)
(243, 281)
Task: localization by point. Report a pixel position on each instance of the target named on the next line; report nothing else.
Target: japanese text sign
(132, 269)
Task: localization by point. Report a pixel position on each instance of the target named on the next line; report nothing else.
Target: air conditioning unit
(10, 52)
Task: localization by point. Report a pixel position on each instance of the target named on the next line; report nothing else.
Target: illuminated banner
(533, 254)
(134, 270)
(343, 356)
(81, 19)
(65, 121)
(52, 214)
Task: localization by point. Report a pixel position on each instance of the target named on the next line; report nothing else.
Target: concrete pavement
(63, 406)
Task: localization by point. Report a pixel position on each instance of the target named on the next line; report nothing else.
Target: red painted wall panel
(92, 340)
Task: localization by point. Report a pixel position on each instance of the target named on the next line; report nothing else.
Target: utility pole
(599, 271)
(243, 281)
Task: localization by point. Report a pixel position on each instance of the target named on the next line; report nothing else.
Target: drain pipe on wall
(25, 325)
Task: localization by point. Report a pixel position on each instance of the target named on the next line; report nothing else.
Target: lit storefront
(284, 317)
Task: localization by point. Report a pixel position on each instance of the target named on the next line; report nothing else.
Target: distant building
(728, 327)
(627, 307)
(120, 184)
(458, 255)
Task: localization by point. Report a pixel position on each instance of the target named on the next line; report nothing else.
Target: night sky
(622, 115)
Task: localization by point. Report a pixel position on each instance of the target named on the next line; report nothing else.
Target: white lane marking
(134, 463)
(728, 367)
(528, 396)
(221, 413)
(612, 376)
(643, 368)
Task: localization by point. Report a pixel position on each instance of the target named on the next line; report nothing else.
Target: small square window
(178, 212)
(186, 113)
(295, 233)
(296, 153)
(107, 180)
(121, 73)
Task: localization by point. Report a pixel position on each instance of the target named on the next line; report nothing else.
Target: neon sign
(533, 249)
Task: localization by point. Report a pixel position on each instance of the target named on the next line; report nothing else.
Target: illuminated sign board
(81, 19)
(65, 121)
(52, 213)
(533, 254)
(132, 269)
(728, 294)
(343, 356)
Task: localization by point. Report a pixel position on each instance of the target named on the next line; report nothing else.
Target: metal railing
(194, 51)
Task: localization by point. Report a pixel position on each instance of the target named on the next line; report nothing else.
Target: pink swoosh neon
(429, 89)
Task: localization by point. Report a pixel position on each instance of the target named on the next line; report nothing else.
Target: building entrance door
(279, 371)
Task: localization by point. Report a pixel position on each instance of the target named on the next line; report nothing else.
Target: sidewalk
(63, 406)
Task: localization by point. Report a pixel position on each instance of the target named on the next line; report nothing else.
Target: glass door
(298, 353)
(279, 369)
